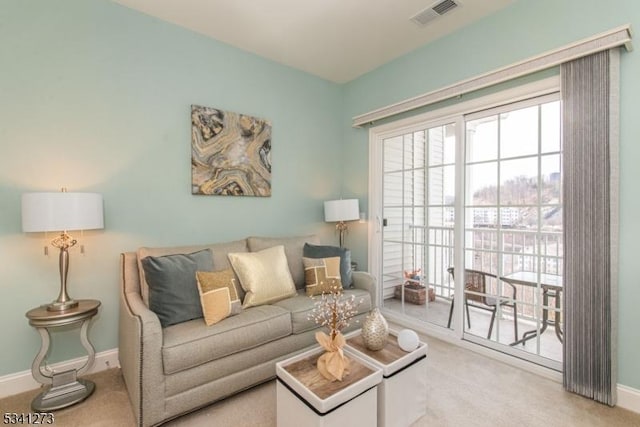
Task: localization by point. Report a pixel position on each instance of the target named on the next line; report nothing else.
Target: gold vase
(375, 330)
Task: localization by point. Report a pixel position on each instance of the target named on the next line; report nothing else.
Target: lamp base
(341, 227)
(62, 306)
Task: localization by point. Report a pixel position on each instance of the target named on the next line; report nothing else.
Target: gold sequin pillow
(264, 275)
(218, 295)
(321, 275)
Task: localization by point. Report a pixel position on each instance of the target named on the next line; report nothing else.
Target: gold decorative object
(375, 330)
(334, 312)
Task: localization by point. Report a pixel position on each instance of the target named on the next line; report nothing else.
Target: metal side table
(64, 388)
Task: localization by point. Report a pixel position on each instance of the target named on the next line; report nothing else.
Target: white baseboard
(629, 398)
(23, 381)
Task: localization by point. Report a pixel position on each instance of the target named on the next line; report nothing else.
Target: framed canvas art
(230, 153)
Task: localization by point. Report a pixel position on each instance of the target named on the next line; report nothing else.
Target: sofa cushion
(301, 305)
(292, 249)
(218, 295)
(209, 280)
(216, 305)
(173, 293)
(264, 275)
(193, 343)
(318, 251)
(321, 275)
(218, 251)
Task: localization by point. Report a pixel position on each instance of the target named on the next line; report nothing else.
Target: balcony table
(551, 285)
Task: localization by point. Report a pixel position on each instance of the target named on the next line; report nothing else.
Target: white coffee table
(306, 398)
(402, 395)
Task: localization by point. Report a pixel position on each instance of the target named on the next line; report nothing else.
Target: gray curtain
(589, 110)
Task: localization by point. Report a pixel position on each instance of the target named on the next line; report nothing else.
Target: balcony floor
(437, 312)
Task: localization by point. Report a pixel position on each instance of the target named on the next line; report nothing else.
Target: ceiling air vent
(437, 9)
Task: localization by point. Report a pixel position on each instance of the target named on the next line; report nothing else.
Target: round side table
(64, 388)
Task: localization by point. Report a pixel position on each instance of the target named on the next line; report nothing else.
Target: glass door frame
(500, 252)
(434, 118)
(379, 197)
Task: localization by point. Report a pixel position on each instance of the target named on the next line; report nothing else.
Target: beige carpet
(465, 389)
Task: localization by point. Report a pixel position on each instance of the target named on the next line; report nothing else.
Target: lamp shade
(61, 211)
(341, 210)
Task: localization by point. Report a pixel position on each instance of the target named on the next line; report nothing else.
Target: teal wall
(96, 97)
(525, 29)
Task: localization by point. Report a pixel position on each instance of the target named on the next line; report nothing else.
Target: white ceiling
(338, 40)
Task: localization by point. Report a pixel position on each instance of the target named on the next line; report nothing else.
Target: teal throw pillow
(173, 290)
(319, 251)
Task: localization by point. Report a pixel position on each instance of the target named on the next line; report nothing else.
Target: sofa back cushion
(219, 253)
(173, 293)
(292, 248)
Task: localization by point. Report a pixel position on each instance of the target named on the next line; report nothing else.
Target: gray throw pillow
(317, 251)
(173, 290)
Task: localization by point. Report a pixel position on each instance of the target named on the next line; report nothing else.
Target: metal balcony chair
(476, 281)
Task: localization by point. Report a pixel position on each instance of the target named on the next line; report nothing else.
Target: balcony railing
(431, 251)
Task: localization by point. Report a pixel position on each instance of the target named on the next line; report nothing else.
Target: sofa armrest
(365, 281)
(140, 351)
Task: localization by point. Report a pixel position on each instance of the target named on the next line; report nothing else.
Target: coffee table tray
(391, 358)
(300, 375)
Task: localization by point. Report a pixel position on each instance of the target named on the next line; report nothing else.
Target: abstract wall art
(230, 153)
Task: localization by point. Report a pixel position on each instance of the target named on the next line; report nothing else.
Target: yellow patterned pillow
(264, 275)
(321, 275)
(218, 295)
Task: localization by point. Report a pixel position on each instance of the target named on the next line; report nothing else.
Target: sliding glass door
(418, 195)
(475, 200)
(513, 225)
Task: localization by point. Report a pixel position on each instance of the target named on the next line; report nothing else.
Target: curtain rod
(616, 37)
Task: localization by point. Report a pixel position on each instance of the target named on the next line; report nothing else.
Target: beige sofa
(172, 371)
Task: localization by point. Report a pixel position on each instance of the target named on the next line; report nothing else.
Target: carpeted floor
(464, 389)
(107, 406)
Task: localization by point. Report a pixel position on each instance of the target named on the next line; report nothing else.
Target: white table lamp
(62, 212)
(340, 211)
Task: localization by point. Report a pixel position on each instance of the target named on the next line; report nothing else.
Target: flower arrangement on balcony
(334, 312)
(414, 291)
(412, 278)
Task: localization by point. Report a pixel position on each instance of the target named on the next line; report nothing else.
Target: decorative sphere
(408, 340)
